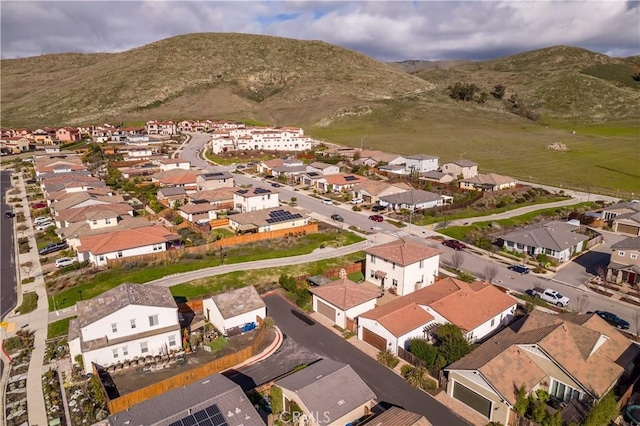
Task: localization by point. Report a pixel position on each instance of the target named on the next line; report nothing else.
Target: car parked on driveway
(357, 201)
(376, 218)
(40, 219)
(44, 225)
(53, 247)
(519, 269)
(454, 244)
(612, 319)
(9, 214)
(39, 206)
(337, 217)
(64, 261)
(326, 201)
(276, 185)
(378, 208)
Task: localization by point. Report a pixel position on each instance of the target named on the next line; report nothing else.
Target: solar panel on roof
(350, 178)
(210, 416)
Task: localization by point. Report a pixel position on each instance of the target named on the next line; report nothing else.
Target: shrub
(603, 412)
(287, 282)
(404, 370)
(387, 358)
(269, 322)
(423, 350)
(276, 399)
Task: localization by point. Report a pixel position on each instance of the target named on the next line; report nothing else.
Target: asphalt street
(387, 385)
(8, 287)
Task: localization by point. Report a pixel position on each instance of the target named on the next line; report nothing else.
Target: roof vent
(341, 402)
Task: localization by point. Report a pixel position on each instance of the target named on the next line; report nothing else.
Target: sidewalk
(270, 350)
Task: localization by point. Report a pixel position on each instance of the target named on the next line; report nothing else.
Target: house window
(107, 221)
(100, 258)
(133, 323)
(125, 350)
(633, 255)
(119, 254)
(153, 320)
(114, 327)
(373, 259)
(493, 321)
(372, 274)
(172, 340)
(144, 347)
(393, 266)
(421, 265)
(394, 283)
(562, 391)
(95, 222)
(115, 352)
(621, 253)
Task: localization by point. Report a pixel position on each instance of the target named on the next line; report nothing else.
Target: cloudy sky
(386, 30)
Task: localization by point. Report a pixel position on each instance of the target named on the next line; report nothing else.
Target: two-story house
(465, 168)
(128, 321)
(255, 198)
(167, 128)
(265, 220)
(323, 168)
(402, 266)
(577, 359)
(419, 163)
(624, 265)
(68, 134)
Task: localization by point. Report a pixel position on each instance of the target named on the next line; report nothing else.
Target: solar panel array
(210, 416)
(262, 191)
(350, 178)
(278, 216)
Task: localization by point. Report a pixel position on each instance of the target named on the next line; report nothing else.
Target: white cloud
(387, 30)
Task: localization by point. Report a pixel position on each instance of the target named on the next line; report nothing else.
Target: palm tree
(415, 376)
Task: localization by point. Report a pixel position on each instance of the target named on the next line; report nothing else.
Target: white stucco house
(198, 212)
(274, 219)
(230, 311)
(174, 163)
(419, 163)
(415, 199)
(128, 321)
(343, 300)
(478, 309)
(323, 168)
(402, 266)
(255, 198)
(214, 180)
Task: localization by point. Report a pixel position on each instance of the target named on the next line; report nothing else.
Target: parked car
(612, 319)
(357, 201)
(276, 185)
(376, 218)
(549, 296)
(241, 166)
(39, 206)
(454, 244)
(519, 269)
(38, 220)
(30, 181)
(326, 201)
(337, 217)
(378, 208)
(64, 261)
(53, 247)
(9, 214)
(44, 225)
(269, 177)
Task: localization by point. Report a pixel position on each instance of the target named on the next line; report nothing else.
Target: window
(114, 327)
(119, 254)
(373, 259)
(115, 352)
(133, 323)
(633, 255)
(561, 391)
(421, 265)
(107, 221)
(125, 350)
(493, 321)
(394, 283)
(95, 222)
(144, 347)
(621, 253)
(393, 266)
(100, 258)
(172, 340)
(153, 320)
(372, 274)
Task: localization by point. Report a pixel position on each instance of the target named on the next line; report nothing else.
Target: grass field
(58, 328)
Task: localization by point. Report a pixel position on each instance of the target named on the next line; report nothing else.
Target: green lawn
(111, 278)
(29, 303)
(459, 232)
(58, 328)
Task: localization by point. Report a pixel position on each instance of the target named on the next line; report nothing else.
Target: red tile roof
(345, 294)
(127, 239)
(404, 252)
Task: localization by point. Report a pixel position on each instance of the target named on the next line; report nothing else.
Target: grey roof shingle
(631, 243)
(238, 302)
(175, 405)
(413, 197)
(171, 191)
(553, 235)
(328, 387)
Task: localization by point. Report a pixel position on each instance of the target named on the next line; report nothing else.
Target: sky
(386, 30)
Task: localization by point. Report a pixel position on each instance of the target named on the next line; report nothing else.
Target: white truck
(550, 296)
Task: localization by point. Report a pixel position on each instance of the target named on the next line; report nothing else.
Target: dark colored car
(276, 185)
(378, 208)
(612, 319)
(39, 206)
(519, 269)
(454, 244)
(337, 218)
(30, 181)
(376, 218)
(269, 177)
(53, 247)
(9, 214)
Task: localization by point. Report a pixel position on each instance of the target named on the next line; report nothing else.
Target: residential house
(95, 223)
(68, 134)
(415, 199)
(624, 266)
(328, 393)
(198, 212)
(559, 241)
(266, 167)
(214, 180)
(41, 136)
(58, 163)
(575, 358)
(126, 243)
(273, 219)
(488, 182)
(174, 163)
(371, 158)
(255, 198)
(214, 400)
(128, 321)
(419, 163)
(171, 195)
(186, 179)
(371, 190)
(620, 209)
(16, 144)
(234, 310)
(95, 215)
(402, 266)
(628, 224)
(418, 314)
(74, 200)
(310, 179)
(396, 416)
(339, 182)
(323, 168)
(439, 177)
(465, 168)
(221, 198)
(167, 128)
(343, 300)
(396, 169)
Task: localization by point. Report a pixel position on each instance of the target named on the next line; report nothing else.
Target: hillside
(198, 75)
(560, 82)
(413, 66)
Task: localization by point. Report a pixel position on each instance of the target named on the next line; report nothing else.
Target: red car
(454, 244)
(39, 206)
(376, 218)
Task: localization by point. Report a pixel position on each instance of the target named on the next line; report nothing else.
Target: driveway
(387, 385)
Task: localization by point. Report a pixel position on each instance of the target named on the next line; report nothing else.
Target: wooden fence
(212, 247)
(124, 402)
(334, 272)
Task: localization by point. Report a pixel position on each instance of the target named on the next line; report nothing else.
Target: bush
(269, 322)
(603, 412)
(387, 358)
(405, 369)
(276, 399)
(287, 282)
(423, 350)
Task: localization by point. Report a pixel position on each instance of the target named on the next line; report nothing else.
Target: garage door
(627, 229)
(327, 310)
(479, 403)
(374, 339)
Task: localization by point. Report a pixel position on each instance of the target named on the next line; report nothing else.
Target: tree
(453, 344)
(498, 91)
(423, 350)
(522, 401)
(463, 91)
(387, 358)
(457, 259)
(636, 76)
(490, 272)
(26, 268)
(294, 201)
(287, 282)
(603, 412)
(415, 376)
